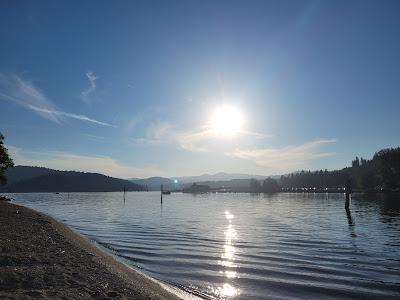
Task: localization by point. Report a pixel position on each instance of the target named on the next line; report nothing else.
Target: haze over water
(243, 246)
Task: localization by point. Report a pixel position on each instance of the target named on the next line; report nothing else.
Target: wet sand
(41, 258)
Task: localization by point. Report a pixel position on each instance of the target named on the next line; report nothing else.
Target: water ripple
(241, 246)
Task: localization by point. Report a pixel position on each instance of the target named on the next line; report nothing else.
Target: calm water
(245, 246)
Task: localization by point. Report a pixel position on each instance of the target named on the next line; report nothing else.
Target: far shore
(42, 258)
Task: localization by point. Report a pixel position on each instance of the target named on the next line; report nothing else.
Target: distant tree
(270, 185)
(355, 163)
(198, 189)
(5, 161)
(363, 161)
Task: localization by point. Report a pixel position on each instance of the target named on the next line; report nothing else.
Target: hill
(24, 179)
(218, 179)
(154, 183)
(21, 173)
(380, 173)
(233, 184)
(221, 176)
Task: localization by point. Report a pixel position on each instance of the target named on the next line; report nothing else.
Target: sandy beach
(41, 258)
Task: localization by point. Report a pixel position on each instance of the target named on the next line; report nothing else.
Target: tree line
(381, 173)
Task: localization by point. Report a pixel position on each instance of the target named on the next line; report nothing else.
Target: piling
(348, 194)
(124, 192)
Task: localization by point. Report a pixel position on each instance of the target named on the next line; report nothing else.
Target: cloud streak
(85, 95)
(156, 134)
(205, 140)
(68, 115)
(285, 159)
(201, 139)
(195, 141)
(25, 94)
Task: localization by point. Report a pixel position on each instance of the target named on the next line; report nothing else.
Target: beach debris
(5, 198)
(104, 285)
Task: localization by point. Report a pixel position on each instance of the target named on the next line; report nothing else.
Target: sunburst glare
(226, 121)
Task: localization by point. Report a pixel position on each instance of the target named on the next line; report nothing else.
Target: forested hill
(21, 173)
(23, 179)
(381, 173)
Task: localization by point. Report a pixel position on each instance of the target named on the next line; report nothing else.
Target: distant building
(197, 189)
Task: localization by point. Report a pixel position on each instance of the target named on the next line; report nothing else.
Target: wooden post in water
(348, 193)
(347, 204)
(161, 192)
(349, 218)
(124, 193)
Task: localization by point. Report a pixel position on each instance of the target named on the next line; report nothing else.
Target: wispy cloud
(157, 133)
(164, 133)
(195, 140)
(134, 121)
(27, 95)
(96, 137)
(201, 139)
(85, 94)
(85, 163)
(287, 158)
(69, 115)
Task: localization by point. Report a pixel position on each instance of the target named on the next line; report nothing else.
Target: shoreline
(41, 257)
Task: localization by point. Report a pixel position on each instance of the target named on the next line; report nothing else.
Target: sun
(226, 121)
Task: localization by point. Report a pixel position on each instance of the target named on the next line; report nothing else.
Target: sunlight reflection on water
(228, 257)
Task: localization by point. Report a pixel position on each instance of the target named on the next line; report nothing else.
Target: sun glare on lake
(226, 121)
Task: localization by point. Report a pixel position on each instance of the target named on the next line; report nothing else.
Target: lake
(244, 246)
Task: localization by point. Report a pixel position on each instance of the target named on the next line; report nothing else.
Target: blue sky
(128, 88)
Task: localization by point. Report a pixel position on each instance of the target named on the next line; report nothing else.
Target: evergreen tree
(5, 161)
(388, 162)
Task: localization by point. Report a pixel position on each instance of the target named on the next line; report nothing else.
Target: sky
(130, 88)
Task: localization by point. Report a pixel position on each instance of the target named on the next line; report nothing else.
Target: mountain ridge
(42, 179)
(154, 183)
(23, 179)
